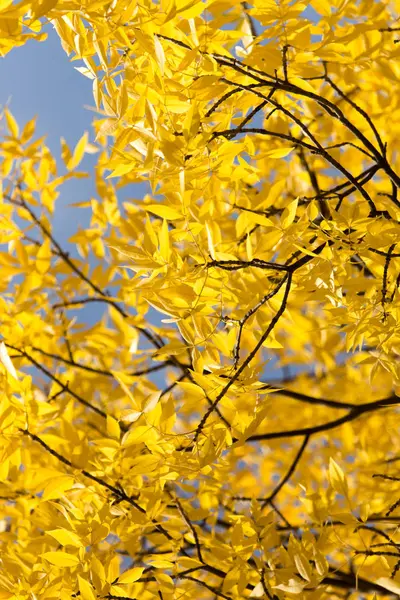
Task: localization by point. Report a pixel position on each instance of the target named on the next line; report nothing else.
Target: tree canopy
(228, 427)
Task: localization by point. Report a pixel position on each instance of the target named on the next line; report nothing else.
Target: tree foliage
(228, 427)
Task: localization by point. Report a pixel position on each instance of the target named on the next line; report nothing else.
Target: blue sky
(38, 79)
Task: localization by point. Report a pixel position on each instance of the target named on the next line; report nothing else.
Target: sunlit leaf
(78, 152)
(61, 559)
(131, 575)
(6, 361)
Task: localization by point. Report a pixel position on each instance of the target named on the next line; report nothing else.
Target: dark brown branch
(355, 413)
(288, 280)
(377, 553)
(285, 61)
(61, 253)
(68, 261)
(98, 371)
(323, 206)
(340, 191)
(385, 276)
(54, 378)
(331, 108)
(309, 399)
(116, 491)
(235, 265)
(290, 471)
(269, 499)
(229, 133)
(360, 110)
(382, 253)
(188, 522)
(247, 316)
(349, 581)
(209, 587)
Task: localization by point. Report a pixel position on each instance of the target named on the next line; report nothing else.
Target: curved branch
(355, 413)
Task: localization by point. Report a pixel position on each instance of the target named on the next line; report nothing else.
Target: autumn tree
(229, 426)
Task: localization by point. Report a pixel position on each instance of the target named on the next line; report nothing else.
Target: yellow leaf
(307, 251)
(11, 123)
(124, 387)
(97, 93)
(293, 586)
(98, 569)
(42, 8)
(173, 151)
(143, 465)
(86, 590)
(194, 391)
(165, 250)
(139, 435)
(312, 210)
(131, 416)
(303, 566)
(165, 582)
(365, 511)
(121, 169)
(66, 153)
(210, 241)
(258, 591)
(188, 59)
(85, 72)
(160, 563)
(231, 579)
(43, 257)
(113, 428)
(151, 402)
(273, 194)
(78, 152)
(191, 122)
(165, 212)
(6, 361)
(131, 575)
(4, 4)
(65, 537)
(160, 56)
(28, 130)
(99, 532)
(101, 51)
(57, 487)
(289, 214)
(389, 584)
(144, 40)
(192, 9)
(302, 84)
(113, 569)
(272, 342)
(117, 591)
(61, 559)
(337, 478)
(260, 220)
(188, 563)
(323, 7)
(123, 100)
(278, 152)
(206, 81)
(249, 248)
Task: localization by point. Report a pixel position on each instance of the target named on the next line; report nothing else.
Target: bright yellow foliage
(229, 426)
